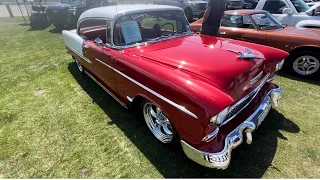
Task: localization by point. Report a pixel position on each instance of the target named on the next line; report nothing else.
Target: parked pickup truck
(67, 12)
(192, 8)
(241, 4)
(292, 12)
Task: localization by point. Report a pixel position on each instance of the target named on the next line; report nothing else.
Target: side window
(274, 6)
(237, 21)
(95, 28)
(94, 2)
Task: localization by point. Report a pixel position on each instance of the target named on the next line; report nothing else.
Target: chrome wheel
(306, 65)
(158, 123)
(79, 65)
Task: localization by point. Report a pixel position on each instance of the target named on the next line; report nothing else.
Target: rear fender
(73, 41)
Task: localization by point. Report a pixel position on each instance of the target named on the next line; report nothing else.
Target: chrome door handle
(86, 46)
(222, 32)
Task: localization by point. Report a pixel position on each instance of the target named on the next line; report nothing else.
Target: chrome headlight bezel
(196, 6)
(219, 118)
(279, 65)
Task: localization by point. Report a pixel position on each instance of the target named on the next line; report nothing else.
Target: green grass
(13, 19)
(57, 123)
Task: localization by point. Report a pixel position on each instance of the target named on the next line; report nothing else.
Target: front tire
(158, 123)
(304, 64)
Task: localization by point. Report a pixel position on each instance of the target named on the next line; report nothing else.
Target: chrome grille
(202, 6)
(235, 3)
(240, 106)
(244, 102)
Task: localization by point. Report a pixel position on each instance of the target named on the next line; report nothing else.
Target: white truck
(292, 12)
(192, 8)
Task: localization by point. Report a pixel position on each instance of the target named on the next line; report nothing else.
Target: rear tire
(80, 68)
(304, 63)
(189, 14)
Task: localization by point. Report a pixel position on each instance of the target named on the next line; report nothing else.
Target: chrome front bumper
(221, 160)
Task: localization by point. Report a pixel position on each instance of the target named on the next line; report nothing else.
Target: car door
(275, 7)
(100, 55)
(241, 28)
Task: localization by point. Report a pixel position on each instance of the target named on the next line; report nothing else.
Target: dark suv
(67, 12)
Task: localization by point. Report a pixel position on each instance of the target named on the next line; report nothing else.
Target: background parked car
(261, 27)
(192, 8)
(241, 4)
(67, 12)
(292, 12)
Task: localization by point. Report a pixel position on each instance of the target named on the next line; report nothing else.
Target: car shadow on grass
(247, 160)
(312, 80)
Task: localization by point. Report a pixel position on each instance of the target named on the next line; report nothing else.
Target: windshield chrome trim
(149, 42)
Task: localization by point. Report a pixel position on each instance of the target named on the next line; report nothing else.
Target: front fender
(309, 23)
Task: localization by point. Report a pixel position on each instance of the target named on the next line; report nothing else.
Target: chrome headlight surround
(219, 118)
(196, 6)
(279, 65)
(72, 10)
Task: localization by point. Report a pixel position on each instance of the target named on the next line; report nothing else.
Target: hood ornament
(247, 55)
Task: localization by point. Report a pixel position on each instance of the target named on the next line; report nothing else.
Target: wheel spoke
(158, 111)
(166, 129)
(310, 68)
(153, 114)
(308, 60)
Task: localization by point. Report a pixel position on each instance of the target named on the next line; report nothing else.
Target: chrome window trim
(255, 92)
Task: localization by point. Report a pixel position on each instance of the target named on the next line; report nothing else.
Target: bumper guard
(221, 160)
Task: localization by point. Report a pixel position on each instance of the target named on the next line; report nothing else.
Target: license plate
(264, 114)
(55, 11)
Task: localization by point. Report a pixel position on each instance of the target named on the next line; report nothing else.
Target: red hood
(205, 56)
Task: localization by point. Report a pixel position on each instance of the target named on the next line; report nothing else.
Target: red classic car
(261, 27)
(198, 91)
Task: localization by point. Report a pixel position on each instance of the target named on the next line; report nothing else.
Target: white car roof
(109, 12)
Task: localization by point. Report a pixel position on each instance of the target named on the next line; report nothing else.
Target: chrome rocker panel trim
(105, 89)
(221, 160)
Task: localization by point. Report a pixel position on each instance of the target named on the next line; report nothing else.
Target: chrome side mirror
(287, 11)
(98, 42)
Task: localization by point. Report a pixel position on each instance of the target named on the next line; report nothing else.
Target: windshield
(265, 21)
(300, 5)
(73, 1)
(150, 27)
